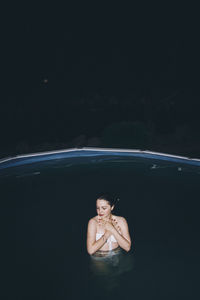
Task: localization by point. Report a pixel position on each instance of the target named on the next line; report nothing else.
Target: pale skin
(107, 224)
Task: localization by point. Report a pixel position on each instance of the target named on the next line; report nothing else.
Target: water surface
(45, 207)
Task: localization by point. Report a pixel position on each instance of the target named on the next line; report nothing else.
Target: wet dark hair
(110, 199)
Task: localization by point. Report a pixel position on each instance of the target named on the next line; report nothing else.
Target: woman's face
(103, 208)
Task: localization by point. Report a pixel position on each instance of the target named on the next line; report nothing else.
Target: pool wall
(91, 152)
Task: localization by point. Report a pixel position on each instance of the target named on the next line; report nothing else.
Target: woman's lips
(100, 215)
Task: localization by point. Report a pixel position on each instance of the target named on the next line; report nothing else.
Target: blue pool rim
(92, 152)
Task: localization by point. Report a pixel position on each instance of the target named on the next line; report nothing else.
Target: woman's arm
(122, 238)
(92, 244)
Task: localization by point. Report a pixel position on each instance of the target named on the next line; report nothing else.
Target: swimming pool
(48, 198)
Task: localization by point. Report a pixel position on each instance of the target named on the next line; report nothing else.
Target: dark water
(44, 214)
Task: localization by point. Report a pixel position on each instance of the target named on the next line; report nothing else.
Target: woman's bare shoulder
(93, 221)
(119, 219)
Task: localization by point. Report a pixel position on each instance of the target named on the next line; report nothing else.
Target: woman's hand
(116, 225)
(109, 226)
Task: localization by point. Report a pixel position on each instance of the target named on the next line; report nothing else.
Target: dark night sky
(57, 60)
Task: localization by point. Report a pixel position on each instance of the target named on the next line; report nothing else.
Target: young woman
(107, 232)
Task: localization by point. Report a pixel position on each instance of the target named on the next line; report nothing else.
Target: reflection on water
(107, 267)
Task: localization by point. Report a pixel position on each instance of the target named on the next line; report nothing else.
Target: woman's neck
(108, 217)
